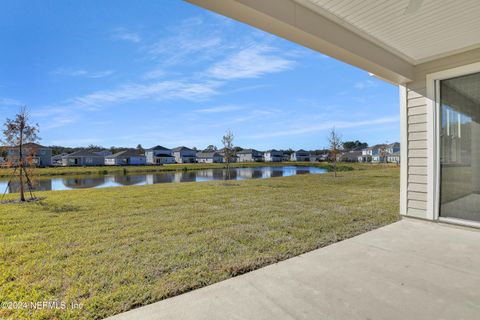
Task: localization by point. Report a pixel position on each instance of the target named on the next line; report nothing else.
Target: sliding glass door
(460, 147)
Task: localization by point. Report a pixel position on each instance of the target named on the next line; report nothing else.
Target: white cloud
(60, 120)
(220, 109)
(67, 72)
(250, 62)
(123, 34)
(10, 102)
(69, 110)
(154, 74)
(305, 129)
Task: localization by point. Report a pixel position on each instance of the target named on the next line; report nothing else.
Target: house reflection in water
(185, 176)
(95, 181)
(130, 180)
(84, 182)
(165, 177)
(274, 172)
(38, 185)
(302, 170)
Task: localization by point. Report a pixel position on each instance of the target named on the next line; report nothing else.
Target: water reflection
(101, 181)
(130, 180)
(84, 182)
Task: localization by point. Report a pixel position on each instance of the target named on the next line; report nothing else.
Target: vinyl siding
(416, 122)
(416, 152)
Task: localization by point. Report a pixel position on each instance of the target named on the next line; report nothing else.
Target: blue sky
(120, 73)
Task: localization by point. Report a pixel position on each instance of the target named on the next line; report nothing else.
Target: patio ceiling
(418, 31)
(388, 38)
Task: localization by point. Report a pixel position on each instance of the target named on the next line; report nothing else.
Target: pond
(119, 180)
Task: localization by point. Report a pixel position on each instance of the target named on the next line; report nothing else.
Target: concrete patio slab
(407, 270)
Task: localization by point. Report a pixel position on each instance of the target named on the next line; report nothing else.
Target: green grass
(59, 171)
(115, 249)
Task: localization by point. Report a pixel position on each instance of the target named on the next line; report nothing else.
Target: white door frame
(433, 133)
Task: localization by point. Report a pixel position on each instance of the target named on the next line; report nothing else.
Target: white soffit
(438, 28)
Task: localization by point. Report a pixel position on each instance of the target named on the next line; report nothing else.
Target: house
(184, 155)
(373, 154)
(127, 157)
(350, 156)
(393, 157)
(41, 156)
(103, 153)
(323, 157)
(273, 156)
(57, 159)
(250, 155)
(233, 159)
(83, 158)
(300, 155)
(432, 52)
(314, 157)
(159, 155)
(366, 155)
(286, 156)
(209, 156)
(393, 148)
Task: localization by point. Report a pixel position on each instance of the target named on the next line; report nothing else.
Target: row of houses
(381, 153)
(42, 156)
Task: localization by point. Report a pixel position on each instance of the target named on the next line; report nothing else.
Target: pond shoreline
(122, 179)
(105, 170)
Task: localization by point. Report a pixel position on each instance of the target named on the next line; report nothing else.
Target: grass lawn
(115, 249)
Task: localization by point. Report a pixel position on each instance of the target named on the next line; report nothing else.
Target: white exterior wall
(273, 157)
(185, 156)
(210, 160)
(110, 161)
(419, 192)
(297, 157)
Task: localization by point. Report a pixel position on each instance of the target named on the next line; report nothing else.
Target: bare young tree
(17, 133)
(383, 153)
(228, 150)
(335, 146)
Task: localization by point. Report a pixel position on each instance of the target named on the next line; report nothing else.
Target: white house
(431, 50)
(184, 155)
(300, 155)
(209, 156)
(127, 157)
(159, 155)
(273, 156)
(394, 157)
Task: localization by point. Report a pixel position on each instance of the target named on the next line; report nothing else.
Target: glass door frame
(433, 139)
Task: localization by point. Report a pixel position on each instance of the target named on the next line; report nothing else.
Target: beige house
(431, 51)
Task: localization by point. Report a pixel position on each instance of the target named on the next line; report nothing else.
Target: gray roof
(82, 153)
(126, 153)
(208, 154)
(248, 151)
(182, 148)
(302, 151)
(59, 156)
(158, 148)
